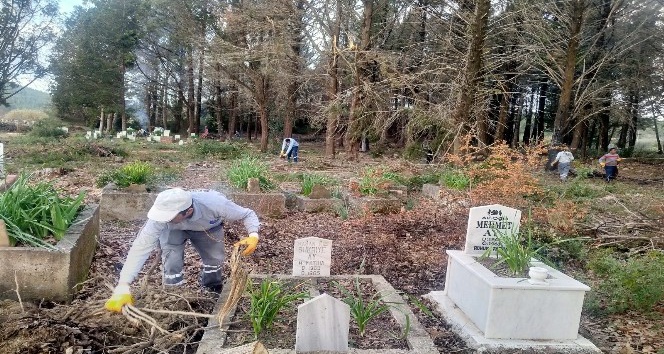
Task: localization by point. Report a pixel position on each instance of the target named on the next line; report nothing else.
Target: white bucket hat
(168, 204)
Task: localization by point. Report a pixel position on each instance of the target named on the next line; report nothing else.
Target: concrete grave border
(419, 341)
(125, 204)
(264, 204)
(52, 274)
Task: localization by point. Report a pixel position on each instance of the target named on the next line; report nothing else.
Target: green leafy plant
(363, 308)
(455, 179)
(221, 150)
(48, 128)
(374, 181)
(34, 212)
(267, 300)
(136, 172)
(310, 179)
(636, 283)
(249, 167)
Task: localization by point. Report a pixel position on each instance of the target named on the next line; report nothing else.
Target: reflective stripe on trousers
(210, 247)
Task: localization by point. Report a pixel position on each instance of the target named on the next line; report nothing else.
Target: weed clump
(136, 172)
(249, 167)
(633, 284)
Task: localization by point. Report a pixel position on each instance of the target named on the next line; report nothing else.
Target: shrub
(633, 284)
(25, 115)
(455, 179)
(266, 302)
(34, 212)
(48, 128)
(221, 150)
(374, 181)
(249, 167)
(136, 172)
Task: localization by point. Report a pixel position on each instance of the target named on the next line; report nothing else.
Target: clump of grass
(34, 212)
(309, 180)
(267, 300)
(363, 308)
(48, 128)
(455, 179)
(218, 149)
(636, 283)
(249, 167)
(136, 172)
(374, 181)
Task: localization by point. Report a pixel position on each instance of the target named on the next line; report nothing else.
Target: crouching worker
(175, 217)
(289, 148)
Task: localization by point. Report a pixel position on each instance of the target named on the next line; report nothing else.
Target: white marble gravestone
(322, 325)
(312, 257)
(167, 132)
(485, 222)
(177, 137)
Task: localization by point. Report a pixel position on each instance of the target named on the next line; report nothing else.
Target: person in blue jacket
(289, 148)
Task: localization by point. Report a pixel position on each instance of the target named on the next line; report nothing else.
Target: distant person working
(289, 148)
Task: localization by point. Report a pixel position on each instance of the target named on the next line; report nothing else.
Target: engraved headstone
(312, 257)
(485, 222)
(322, 325)
(253, 185)
(167, 132)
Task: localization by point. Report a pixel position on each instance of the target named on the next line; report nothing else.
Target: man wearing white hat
(175, 217)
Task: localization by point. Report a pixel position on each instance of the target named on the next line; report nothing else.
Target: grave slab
(431, 190)
(419, 341)
(264, 204)
(322, 325)
(377, 205)
(125, 204)
(52, 274)
(309, 205)
(475, 339)
(312, 257)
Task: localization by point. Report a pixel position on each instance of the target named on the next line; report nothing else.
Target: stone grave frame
(126, 204)
(52, 274)
(418, 340)
(492, 312)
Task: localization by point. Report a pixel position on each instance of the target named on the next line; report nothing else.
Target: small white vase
(538, 275)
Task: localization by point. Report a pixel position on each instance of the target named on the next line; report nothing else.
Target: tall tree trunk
(361, 67)
(564, 104)
(101, 120)
(333, 88)
(503, 114)
(260, 85)
(472, 76)
(622, 138)
(529, 118)
(538, 134)
(164, 103)
(123, 101)
(190, 92)
(232, 106)
(218, 108)
(199, 89)
(654, 120)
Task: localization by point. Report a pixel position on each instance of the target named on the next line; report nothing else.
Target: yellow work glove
(251, 242)
(282, 155)
(602, 164)
(121, 296)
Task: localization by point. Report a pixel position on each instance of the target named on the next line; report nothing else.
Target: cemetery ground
(622, 220)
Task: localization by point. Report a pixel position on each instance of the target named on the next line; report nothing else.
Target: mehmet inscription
(485, 222)
(312, 257)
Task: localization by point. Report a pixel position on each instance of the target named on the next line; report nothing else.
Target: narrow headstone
(322, 325)
(253, 185)
(167, 133)
(312, 257)
(177, 136)
(485, 222)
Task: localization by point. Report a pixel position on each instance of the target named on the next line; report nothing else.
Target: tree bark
(190, 92)
(654, 120)
(333, 88)
(472, 75)
(564, 104)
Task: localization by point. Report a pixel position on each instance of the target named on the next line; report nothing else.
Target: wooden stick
(18, 294)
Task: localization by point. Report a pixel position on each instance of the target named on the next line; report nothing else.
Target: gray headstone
(322, 325)
(483, 224)
(319, 192)
(253, 185)
(312, 257)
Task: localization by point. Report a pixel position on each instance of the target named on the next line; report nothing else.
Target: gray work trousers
(209, 245)
(563, 169)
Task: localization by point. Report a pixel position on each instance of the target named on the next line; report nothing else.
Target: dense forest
(584, 72)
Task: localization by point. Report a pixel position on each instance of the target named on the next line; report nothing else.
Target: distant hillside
(27, 99)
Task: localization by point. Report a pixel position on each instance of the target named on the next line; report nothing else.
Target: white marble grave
(322, 325)
(312, 257)
(176, 137)
(167, 132)
(483, 224)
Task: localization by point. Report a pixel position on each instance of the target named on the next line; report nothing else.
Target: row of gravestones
(166, 136)
(323, 322)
